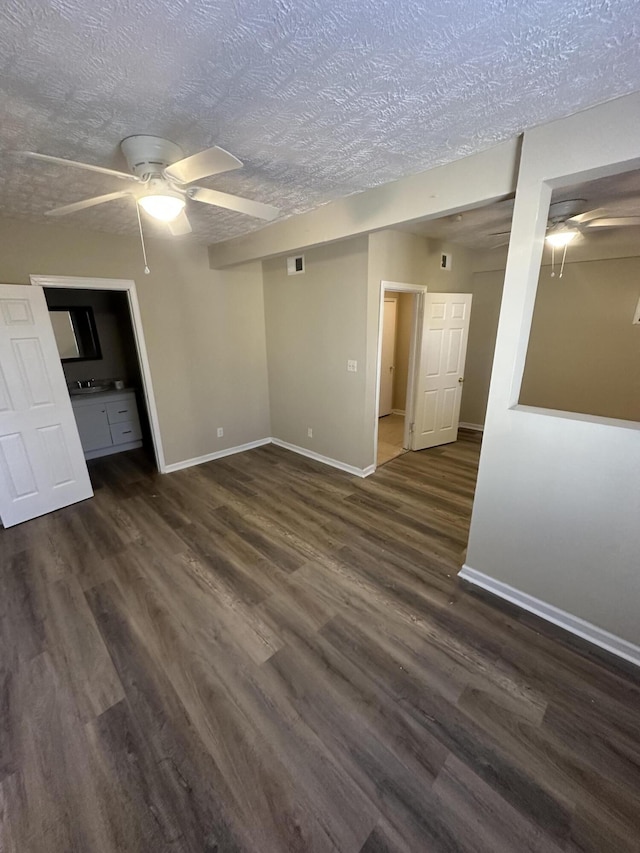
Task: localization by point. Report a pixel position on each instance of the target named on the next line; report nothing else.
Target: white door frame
(418, 291)
(129, 287)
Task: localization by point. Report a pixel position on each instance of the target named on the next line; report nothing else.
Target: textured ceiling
(319, 98)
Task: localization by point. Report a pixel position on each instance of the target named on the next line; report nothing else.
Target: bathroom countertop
(100, 395)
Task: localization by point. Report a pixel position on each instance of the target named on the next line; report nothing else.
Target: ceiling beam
(461, 185)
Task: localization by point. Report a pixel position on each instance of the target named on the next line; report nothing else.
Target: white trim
(84, 283)
(580, 627)
(398, 412)
(326, 460)
(476, 427)
(129, 286)
(218, 454)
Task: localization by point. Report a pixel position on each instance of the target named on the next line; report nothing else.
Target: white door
(387, 358)
(42, 465)
(440, 372)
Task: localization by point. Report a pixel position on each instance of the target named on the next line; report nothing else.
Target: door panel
(57, 454)
(441, 368)
(5, 399)
(33, 372)
(42, 466)
(19, 477)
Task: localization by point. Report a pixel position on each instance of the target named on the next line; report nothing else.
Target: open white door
(42, 466)
(387, 357)
(440, 371)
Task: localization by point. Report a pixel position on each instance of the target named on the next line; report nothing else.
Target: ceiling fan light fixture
(560, 237)
(165, 206)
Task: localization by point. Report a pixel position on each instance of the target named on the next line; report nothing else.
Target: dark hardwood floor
(264, 654)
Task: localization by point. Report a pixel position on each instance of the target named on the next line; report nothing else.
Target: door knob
(461, 379)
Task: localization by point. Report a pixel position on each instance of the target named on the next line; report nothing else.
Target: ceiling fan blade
(587, 216)
(613, 222)
(180, 225)
(126, 176)
(87, 202)
(234, 202)
(212, 161)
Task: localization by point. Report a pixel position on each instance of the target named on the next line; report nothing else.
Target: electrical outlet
(309, 432)
(220, 432)
(352, 366)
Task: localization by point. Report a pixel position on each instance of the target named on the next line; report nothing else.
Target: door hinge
(412, 426)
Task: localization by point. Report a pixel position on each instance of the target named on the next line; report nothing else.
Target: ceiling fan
(565, 222)
(163, 178)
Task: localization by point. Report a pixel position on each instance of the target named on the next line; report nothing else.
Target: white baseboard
(580, 627)
(398, 412)
(218, 454)
(326, 460)
(240, 448)
(476, 427)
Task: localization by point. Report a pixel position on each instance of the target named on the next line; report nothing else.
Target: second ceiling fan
(567, 219)
(163, 178)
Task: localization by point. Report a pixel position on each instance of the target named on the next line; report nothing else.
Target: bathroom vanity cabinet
(107, 421)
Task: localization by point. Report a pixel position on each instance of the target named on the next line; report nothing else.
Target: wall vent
(295, 265)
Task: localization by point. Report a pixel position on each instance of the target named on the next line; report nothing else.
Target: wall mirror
(75, 332)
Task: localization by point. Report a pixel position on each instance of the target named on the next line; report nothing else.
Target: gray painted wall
(204, 329)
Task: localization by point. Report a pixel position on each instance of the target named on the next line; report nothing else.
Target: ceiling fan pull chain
(144, 251)
(553, 261)
(564, 255)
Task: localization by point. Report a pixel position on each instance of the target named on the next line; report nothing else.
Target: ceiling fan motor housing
(560, 211)
(149, 155)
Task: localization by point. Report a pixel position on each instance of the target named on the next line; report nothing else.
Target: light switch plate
(352, 366)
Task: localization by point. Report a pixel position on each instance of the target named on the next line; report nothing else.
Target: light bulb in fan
(561, 236)
(165, 206)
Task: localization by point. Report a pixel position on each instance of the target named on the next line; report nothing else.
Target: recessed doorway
(397, 330)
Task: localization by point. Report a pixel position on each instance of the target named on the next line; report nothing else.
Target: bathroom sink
(93, 389)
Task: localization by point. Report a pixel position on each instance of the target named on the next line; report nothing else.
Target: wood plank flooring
(262, 654)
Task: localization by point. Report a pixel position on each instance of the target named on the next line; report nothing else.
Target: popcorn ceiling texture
(319, 98)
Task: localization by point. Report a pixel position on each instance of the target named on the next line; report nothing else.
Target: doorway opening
(435, 368)
(397, 331)
(398, 341)
(96, 343)
(110, 386)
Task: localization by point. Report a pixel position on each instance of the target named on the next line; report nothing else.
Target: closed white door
(42, 465)
(441, 369)
(387, 357)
